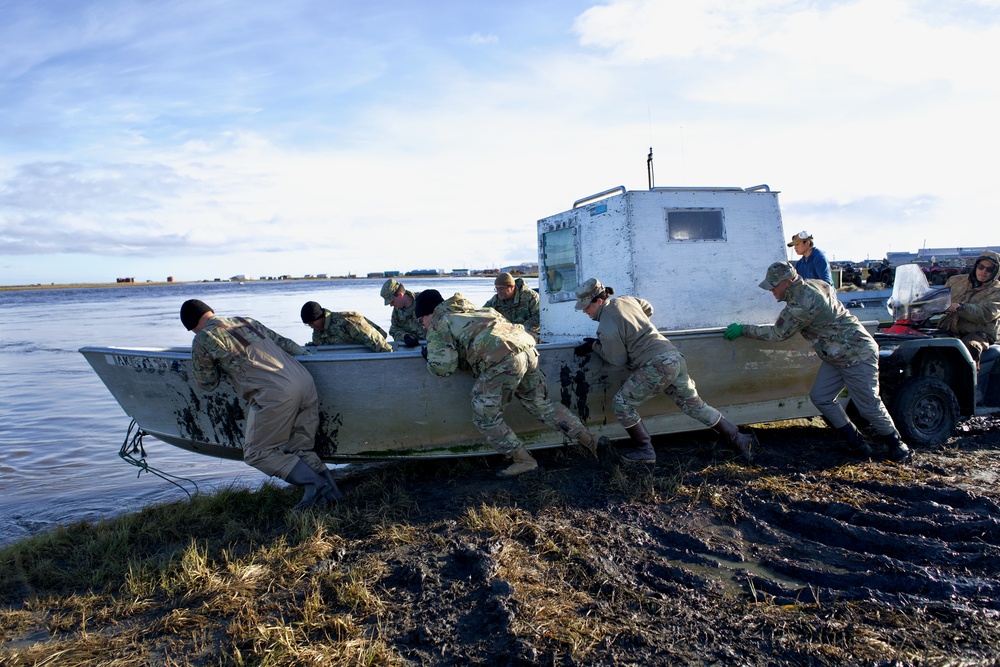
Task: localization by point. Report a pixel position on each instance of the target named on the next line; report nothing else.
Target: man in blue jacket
(812, 262)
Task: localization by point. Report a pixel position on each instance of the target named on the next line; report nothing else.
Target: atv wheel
(925, 411)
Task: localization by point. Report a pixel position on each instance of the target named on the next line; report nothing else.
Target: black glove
(409, 340)
(423, 352)
(584, 348)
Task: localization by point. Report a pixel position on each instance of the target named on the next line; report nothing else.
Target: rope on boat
(133, 444)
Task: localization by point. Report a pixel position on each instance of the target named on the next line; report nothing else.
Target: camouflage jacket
(813, 309)
(522, 308)
(349, 328)
(404, 320)
(625, 336)
(224, 347)
(461, 336)
(980, 306)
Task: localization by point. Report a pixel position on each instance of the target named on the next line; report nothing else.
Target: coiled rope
(133, 444)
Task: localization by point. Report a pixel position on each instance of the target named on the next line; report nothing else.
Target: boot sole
(505, 475)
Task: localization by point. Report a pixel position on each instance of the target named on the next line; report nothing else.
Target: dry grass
(203, 603)
(419, 565)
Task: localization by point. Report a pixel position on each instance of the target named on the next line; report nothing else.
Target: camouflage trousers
(517, 375)
(861, 381)
(666, 373)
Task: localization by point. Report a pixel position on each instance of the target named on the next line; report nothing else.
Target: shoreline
(40, 286)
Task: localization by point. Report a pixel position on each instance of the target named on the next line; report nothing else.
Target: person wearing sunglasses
(974, 313)
(517, 302)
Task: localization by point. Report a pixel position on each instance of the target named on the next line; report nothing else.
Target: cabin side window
(559, 261)
(703, 224)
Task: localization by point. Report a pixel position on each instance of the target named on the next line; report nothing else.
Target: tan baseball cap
(801, 236)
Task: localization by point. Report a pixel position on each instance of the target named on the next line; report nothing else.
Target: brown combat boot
(591, 442)
(739, 441)
(643, 451)
(522, 462)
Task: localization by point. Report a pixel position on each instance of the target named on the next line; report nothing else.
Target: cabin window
(559, 260)
(695, 225)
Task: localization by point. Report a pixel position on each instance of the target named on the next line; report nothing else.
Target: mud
(805, 557)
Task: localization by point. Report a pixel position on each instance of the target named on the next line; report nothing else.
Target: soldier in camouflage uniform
(974, 313)
(848, 353)
(503, 359)
(282, 405)
(344, 328)
(404, 325)
(626, 337)
(516, 302)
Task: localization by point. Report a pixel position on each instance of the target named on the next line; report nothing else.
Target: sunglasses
(984, 267)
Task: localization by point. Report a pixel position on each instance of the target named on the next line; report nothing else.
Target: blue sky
(211, 138)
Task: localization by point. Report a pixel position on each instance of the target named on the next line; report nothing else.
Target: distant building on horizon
(941, 255)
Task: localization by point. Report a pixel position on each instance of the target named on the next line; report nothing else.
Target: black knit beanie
(311, 312)
(191, 312)
(427, 301)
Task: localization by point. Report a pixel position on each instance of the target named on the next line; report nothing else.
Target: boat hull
(378, 406)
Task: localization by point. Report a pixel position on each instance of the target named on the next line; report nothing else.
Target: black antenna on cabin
(649, 167)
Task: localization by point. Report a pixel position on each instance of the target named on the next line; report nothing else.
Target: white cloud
(479, 39)
(320, 138)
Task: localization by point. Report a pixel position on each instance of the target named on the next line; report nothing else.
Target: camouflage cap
(504, 279)
(587, 291)
(801, 236)
(389, 289)
(776, 273)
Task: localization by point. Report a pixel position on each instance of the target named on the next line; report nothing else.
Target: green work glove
(733, 331)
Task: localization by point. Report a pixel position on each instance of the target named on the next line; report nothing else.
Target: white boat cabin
(696, 254)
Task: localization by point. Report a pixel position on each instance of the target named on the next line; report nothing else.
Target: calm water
(60, 429)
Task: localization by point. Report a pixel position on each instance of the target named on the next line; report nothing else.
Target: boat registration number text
(147, 364)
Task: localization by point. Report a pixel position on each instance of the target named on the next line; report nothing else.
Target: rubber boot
(898, 451)
(311, 482)
(522, 462)
(855, 443)
(643, 451)
(739, 441)
(330, 491)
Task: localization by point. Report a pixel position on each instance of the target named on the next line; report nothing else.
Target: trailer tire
(925, 411)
